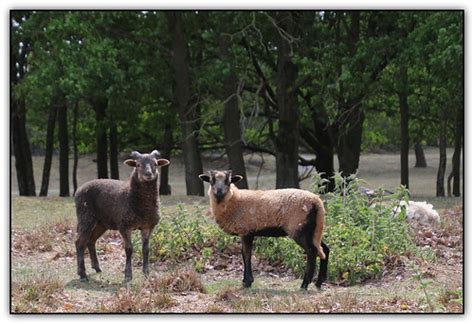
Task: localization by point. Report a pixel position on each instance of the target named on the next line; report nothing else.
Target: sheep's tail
(318, 230)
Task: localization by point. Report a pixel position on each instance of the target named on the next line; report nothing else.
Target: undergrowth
(362, 233)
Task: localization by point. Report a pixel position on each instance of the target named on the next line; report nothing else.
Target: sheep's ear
(130, 162)
(162, 162)
(235, 178)
(156, 154)
(205, 177)
(135, 155)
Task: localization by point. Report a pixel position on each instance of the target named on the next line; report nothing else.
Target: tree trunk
(458, 138)
(403, 101)
(350, 128)
(231, 119)
(74, 147)
(165, 188)
(287, 139)
(63, 151)
(186, 110)
(114, 169)
(419, 155)
(442, 157)
(321, 141)
(100, 107)
(350, 115)
(48, 157)
(19, 136)
(21, 148)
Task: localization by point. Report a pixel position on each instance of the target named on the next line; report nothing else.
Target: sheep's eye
(138, 165)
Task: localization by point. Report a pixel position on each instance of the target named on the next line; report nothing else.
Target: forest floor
(43, 262)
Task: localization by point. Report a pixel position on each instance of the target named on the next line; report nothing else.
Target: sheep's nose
(219, 195)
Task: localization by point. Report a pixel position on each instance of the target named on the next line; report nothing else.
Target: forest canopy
(329, 83)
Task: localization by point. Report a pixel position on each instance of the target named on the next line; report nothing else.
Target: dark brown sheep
(296, 213)
(106, 204)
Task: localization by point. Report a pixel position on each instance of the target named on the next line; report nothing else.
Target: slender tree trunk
(74, 147)
(165, 188)
(419, 155)
(186, 110)
(48, 157)
(231, 118)
(287, 139)
(100, 107)
(458, 138)
(114, 169)
(63, 150)
(21, 148)
(405, 145)
(442, 157)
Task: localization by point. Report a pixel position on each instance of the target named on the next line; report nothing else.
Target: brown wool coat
(244, 211)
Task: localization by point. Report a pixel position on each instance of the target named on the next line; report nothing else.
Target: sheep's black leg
(84, 231)
(247, 242)
(305, 240)
(96, 233)
(310, 267)
(323, 266)
(146, 248)
(127, 238)
(81, 268)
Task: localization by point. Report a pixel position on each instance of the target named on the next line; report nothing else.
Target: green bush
(361, 234)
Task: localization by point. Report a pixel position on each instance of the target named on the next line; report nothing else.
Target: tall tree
(48, 155)
(75, 113)
(63, 150)
(19, 48)
(186, 109)
(287, 139)
(100, 107)
(113, 139)
(403, 101)
(442, 155)
(231, 121)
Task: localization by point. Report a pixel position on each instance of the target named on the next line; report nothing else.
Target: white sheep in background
(419, 211)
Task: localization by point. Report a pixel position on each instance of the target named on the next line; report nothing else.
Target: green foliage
(361, 234)
(185, 235)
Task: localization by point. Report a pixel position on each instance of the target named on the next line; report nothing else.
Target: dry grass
(182, 280)
(35, 293)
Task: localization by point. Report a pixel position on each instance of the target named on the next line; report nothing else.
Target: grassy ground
(44, 279)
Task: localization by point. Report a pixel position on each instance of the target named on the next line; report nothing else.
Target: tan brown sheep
(105, 204)
(296, 213)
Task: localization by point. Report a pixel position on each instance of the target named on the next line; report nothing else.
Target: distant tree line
(279, 82)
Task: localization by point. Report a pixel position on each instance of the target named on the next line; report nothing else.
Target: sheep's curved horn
(156, 154)
(135, 155)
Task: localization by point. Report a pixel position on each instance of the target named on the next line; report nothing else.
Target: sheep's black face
(146, 165)
(220, 182)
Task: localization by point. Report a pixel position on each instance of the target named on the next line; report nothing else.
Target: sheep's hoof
(246, 284)
(97, 270)
(84, 279)
(127, 279)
